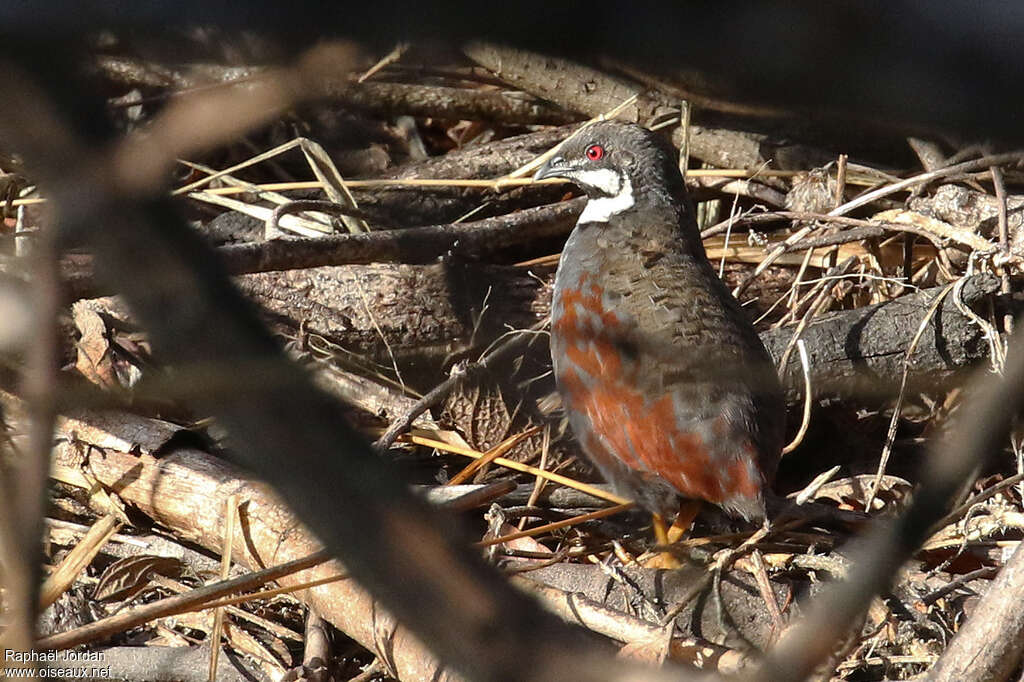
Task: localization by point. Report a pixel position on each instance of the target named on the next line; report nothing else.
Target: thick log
(861, 352)
(438, 308)
(473, 240)
(414, 206)
(418, 310)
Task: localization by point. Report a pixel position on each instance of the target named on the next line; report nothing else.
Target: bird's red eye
(595, 152)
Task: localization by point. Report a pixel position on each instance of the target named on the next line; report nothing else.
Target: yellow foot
(665, 536)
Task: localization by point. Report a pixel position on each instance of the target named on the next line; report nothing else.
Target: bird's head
(617, 163)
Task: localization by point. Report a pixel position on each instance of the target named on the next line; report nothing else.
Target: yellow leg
(665, 535)
(660, 530)
(688, 511)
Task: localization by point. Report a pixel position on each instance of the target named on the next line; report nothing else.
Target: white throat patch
(601, 209)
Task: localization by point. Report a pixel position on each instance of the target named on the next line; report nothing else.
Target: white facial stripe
(601, 209)
(604, 179)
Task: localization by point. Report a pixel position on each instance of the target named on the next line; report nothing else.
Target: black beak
(555, 167)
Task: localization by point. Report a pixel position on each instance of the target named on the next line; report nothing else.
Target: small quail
(667, 386)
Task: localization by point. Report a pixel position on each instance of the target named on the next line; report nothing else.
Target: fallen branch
(860, 352)
(185, 490)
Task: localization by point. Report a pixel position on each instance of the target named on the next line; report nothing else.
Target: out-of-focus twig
(35, 128)
(206, 118)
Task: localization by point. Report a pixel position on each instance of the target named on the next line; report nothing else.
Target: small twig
(176, 604)
(317, 650)
(549, 560)
(841, 164)
(492, 454)
(684, 147)
(959, 582)
(479, 496)
(528, 168)
(75, 561)
(724, 560)
(326, 172)
(522, 468)
(301, 205)
(996, 346)
(1004, 240)
(764, 585)
(231, 507)
(796, 301)
(371, 315)
(954, 516)
(812, 488)
(890, 436)
(839, 238)
(794, 289)
(813, 309)
(370, 673)
(808, 399)
(387, 60)
(733, 214)
(885, 661)
(757, 218)
(555, 525)
(267, 594)
(538, 484)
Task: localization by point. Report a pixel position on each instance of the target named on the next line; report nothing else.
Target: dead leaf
(95, 361)
(127, 577)
(893, 492)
